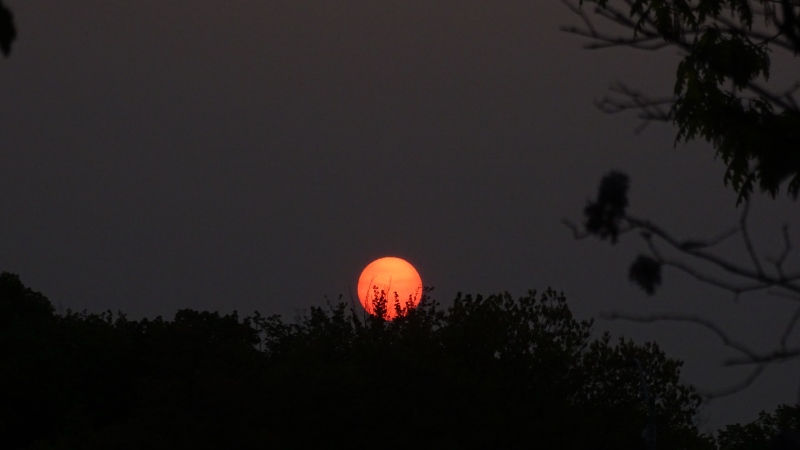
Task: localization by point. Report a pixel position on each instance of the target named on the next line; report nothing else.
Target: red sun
(390, 276)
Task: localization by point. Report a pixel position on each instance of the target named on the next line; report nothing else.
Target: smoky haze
(257, 155)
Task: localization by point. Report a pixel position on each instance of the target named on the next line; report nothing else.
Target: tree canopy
(487, 372)
(771, 431)
(722, 92)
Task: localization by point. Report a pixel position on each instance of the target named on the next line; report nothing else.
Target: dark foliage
(8, 31)
(646, 272)
(722, 93)
(488, 372)
(603, 217)
(18, 303)
(775, 431)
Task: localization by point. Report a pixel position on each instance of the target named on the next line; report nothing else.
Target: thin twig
(747, 242)
(685, 318)
(787, 248)
(750, 357)
(789, 328)
(734, 388)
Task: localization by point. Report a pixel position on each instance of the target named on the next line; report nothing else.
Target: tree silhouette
(775, 431)
(487, 372)
(722, 93)
(8, 31)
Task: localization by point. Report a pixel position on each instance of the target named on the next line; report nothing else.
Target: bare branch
(789, 328)
(650, 109)
(762, 361)
(695, 249)
(787, 248)
(777, 356)
(735, 289)
(644, 40)
(740, 280)
(708, 243)
(747, 242)
(776, 293)
(755, 35)
(576, 232)
(686, 318)
(734, 388)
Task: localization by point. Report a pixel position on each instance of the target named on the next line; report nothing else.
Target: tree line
(486, 372)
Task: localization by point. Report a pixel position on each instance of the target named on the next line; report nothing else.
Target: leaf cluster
(605, 215)
(720, 92)
(8, 31)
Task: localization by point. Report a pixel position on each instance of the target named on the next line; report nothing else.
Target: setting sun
(390, 276)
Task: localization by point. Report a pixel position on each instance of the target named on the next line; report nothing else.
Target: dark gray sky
(258, 154)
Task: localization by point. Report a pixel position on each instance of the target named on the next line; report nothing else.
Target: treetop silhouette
(495, 371)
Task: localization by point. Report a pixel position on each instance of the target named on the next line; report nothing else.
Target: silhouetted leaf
(8, 32)
(646, 272)
(603, 217)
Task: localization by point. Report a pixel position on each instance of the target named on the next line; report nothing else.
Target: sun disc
(392, 277)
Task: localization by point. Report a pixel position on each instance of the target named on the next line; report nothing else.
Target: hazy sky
(246, 155)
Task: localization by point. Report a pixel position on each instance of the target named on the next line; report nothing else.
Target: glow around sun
(393, 277)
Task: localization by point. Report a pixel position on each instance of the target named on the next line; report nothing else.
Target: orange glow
(391, 276)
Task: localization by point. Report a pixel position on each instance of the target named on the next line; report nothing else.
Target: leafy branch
(607, 218)
(721, 92)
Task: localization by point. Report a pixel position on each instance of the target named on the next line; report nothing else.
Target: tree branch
(750, 357)
(739, 280)
(646, 36)
(695, 248)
